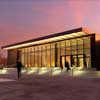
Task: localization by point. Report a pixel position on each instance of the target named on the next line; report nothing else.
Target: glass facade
(76, 51)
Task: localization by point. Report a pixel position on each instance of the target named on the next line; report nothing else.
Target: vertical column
(50, 55)
(26, 57)
(41, 57)
(31, 56)
(93, 54)
(65, 51)
(65, 47)
(34, 57)
(60, 55)
(46, 56)
(71, 58)
(55, 54)
(37, 53)
(84, 56)
(77, 54)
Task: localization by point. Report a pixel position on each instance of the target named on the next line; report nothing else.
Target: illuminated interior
(75, 51)
(73, 48)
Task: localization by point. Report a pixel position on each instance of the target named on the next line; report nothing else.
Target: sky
(26, 19)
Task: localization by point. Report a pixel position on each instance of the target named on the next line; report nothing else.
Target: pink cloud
(44, 18)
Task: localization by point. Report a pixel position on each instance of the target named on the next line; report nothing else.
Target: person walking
(19, 67)
(67, 65)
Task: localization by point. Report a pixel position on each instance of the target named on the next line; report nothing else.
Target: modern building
(77, 47)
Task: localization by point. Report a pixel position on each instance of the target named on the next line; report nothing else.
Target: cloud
(43, 17)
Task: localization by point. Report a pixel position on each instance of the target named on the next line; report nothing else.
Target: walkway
(47, 87)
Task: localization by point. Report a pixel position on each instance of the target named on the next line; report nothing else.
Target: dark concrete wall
(98, 55)
(93, 51)
(12, 55)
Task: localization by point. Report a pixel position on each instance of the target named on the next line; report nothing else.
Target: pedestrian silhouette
(19, 67)
(67, 65)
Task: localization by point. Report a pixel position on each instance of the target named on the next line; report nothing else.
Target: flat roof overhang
(50, 38)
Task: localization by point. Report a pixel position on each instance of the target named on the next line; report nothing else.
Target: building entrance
(64, 60)
(73, 61)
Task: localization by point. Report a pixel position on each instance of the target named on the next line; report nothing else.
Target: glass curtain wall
(49, 55)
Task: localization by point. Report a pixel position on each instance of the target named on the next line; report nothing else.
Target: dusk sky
(26, 19)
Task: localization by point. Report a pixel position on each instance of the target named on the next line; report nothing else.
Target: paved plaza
(47, 87)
